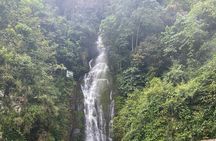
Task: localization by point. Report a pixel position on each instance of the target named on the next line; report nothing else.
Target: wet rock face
(77, 115)
(76, 131)
(77, 135)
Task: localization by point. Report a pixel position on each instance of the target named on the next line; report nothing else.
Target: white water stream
(98, 98)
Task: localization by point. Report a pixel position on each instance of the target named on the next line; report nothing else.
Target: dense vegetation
(38, 46)
(161, 54)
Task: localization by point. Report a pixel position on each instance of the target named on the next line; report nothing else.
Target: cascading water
(98, 98)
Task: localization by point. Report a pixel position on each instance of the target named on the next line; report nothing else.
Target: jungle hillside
(107, 70)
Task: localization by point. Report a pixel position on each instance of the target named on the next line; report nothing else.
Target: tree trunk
(137, 35)
(132, 43)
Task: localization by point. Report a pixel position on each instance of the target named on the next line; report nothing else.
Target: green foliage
(179, 103)
(130, 80)
(184, 40)
(165, 112)
(159, 45)
(188, 42)
(176, 75)
(37, 47)
(129, 23)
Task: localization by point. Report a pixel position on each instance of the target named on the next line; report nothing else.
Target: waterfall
(98, 98)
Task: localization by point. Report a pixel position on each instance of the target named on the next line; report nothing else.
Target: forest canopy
(162, 59)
